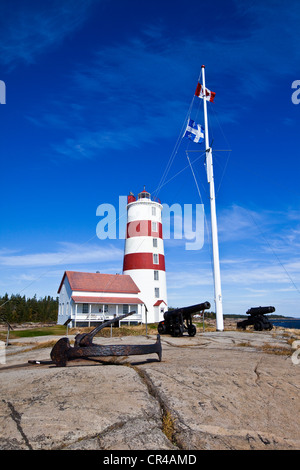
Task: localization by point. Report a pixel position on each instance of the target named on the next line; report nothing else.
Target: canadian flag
(209, 95)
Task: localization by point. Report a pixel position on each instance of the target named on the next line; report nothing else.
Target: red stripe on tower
(144, 261)
(144, 228)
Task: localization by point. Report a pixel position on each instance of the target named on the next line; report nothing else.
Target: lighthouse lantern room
(144, 258)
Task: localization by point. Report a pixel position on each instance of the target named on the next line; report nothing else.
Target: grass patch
(126, 330)
(244, 344)
(39, 345)
(277, 350)
(168, 426)
(207, 327)
(267, 348)
(31, 332)
(45, 344)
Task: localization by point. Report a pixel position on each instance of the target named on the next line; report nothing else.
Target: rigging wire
(262, 234)
(175, 150)
(183, 169)
(214, 112)
(223, 172)
(274, 254)
(194, 176)
(205, 219)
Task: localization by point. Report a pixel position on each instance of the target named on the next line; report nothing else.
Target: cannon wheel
(258, 326)
(192, 330)
(178, 330)
(161, 328)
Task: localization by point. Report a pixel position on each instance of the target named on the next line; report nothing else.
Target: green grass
(29, 333)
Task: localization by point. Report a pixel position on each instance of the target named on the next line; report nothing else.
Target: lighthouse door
(158, 313)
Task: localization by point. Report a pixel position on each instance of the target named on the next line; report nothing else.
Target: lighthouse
(144, 258)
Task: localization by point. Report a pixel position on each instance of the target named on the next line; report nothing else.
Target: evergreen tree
(17, 309)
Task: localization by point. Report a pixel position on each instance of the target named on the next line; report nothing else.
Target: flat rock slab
(219, 390)
(61, 407)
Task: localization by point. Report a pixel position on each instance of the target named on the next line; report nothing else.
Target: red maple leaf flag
(209, 95)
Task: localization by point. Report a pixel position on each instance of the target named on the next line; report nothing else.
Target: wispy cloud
(245, 283)
(68, 254)
(29, 29)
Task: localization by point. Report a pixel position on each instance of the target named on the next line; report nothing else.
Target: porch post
(76, 305)
(90, 313)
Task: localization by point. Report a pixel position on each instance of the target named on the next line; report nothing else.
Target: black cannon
(257, 319)
(179, 320)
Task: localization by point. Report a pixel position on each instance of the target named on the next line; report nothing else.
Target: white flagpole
(214, 230)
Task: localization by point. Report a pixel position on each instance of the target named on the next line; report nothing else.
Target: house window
(156, 277)
(85, 308)
(154, 226)
(103, 309)
(154, 242)
(153, 210)
(125, 309)
(156, 292)
(155, 258)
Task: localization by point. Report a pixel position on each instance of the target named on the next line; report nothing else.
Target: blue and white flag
(194, 131)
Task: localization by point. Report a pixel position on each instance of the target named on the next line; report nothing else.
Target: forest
(18, 309)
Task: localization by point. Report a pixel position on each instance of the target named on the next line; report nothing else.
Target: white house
(90, 298)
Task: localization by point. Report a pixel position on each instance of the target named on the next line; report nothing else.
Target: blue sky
(96, 96)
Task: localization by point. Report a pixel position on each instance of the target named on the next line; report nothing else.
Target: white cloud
(29, 30)
(68, 254)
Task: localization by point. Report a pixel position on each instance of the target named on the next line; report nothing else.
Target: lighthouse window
(156, 292)
(154, 226)
(153, 210)
(155, 242)
(125, 309)
(155, 258)
(156, 278)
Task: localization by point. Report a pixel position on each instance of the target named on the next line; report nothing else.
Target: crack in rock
(16, 417)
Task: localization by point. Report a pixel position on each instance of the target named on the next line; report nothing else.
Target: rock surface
(217, 390)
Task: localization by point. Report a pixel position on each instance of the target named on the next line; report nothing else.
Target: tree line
(18, 309)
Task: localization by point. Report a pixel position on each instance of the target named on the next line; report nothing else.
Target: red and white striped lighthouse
(144, 258)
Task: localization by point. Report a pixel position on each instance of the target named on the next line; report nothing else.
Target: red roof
(97, 282)
(158, 302)
(106, 300)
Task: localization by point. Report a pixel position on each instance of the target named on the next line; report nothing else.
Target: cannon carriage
(179, 320)
(257, 319)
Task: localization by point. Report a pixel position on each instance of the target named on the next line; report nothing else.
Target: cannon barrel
(260, 310)
(179, 320)
(186, 311)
